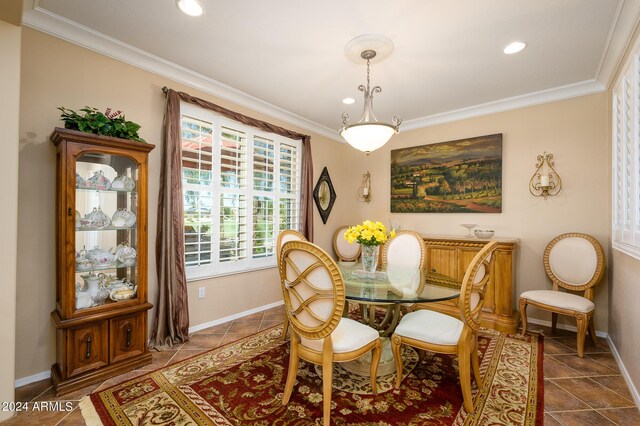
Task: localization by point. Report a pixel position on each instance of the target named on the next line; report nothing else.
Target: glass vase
(370, 258)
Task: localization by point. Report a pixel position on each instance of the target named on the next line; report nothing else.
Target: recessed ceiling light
(514, 47)
(348, 101)
(190, 7)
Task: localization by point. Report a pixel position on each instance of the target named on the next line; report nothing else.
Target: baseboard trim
(564, 327)
(31, 379)
(234, 316)
(627, 378)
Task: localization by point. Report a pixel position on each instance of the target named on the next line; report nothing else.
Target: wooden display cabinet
(452, 255)
(101, 258)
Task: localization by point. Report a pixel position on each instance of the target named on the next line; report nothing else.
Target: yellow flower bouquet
(368, 234)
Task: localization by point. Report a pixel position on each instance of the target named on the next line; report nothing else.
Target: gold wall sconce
(364, 192)
(545, 181)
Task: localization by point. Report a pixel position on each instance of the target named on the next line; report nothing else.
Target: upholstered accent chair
(345, 252)
(573, 262)
(436, 332)
(314, 298)
(283, 237)
(406, 249)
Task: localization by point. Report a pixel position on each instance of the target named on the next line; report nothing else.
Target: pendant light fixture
(369, 134)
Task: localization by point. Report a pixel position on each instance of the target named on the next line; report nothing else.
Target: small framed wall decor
(324, 195)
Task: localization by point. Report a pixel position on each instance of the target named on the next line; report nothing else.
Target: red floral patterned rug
(242, 384)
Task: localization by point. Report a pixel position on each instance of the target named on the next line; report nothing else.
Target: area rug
(242, 384)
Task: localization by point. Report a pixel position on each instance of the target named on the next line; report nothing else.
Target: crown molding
(535, 98)
(620, 36)
(65, 29)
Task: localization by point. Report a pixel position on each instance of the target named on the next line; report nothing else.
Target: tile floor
(578, 391)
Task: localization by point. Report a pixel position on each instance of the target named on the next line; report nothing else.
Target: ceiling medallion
(369, 134)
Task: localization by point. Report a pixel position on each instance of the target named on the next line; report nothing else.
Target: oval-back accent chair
(284, 237)
(314, 298)
(574, 262)
(345, 252)
(436, 332)
(406, 249)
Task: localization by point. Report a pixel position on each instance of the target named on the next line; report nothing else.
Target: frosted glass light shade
(368, 137)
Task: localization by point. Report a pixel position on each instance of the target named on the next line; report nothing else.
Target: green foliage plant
(108, 123)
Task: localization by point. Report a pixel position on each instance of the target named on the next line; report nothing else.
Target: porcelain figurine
(123, 183)
(99, 181)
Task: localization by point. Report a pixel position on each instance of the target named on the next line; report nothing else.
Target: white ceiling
(287, 56)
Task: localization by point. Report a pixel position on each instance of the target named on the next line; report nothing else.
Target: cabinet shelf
(107, 228)
(108, 191)
(106, 268)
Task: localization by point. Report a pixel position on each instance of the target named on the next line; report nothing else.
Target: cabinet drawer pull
(88, 353)
(128, 334)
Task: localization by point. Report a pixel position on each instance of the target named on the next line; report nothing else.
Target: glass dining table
(381, 295)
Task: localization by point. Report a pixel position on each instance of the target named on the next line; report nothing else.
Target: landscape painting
(463, 176)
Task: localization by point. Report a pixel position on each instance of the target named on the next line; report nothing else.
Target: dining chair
(283, 237)
(314, 297)
(345, 252)
(437, 332)
(573, 262)
(406, 249)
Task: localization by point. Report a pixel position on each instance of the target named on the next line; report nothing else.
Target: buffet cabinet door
(87, 347)
(127, 335)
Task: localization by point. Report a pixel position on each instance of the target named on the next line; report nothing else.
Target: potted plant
(108, 123)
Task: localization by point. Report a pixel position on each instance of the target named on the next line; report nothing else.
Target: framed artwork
(324, 195)
(462, 176)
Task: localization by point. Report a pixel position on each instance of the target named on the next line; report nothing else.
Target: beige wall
(56, 73)
(574, 130)
(9, 120)
(624, 315)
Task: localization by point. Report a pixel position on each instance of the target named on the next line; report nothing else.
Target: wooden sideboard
(451, 255)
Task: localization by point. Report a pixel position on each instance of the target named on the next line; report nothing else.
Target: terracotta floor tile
(269, 323)
(546, 330)
(275, 314)
(616, 384)
(554, 368)
(549, 420)
(32, 390)
(589, 347)
(50, 394)
(121, 378)
(160, 359)
(187, 353)
(586, 366)
(203, 341)
(42, 417)
(592, 393)
(553, 347)
(73, 419)
(249, 318)
(557, 399)
(582, 418)
(606, 359)
(244, 327)
(622, 416)
(232, 337)
(216, 329)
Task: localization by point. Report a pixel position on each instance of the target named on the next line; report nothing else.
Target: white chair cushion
(431, 327)
(574, 260)
(345, 249)
(404, 250)
(348, 336)
(560, 299)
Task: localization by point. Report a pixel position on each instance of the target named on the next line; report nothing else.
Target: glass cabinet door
(106, 237)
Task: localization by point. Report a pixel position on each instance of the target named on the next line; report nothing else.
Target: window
(241, 186)
(626, 159)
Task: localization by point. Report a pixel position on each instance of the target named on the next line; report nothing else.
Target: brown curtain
(171, 324)
(306, 207)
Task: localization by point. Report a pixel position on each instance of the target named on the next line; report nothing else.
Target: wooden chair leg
(522, 307)
(376, 352)
(396, 346)
(475, 362)
(285, 328)
(554, 322)
(293, 372)
(327, 377)
(464, 370)
(583, 323)
(592, 330)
